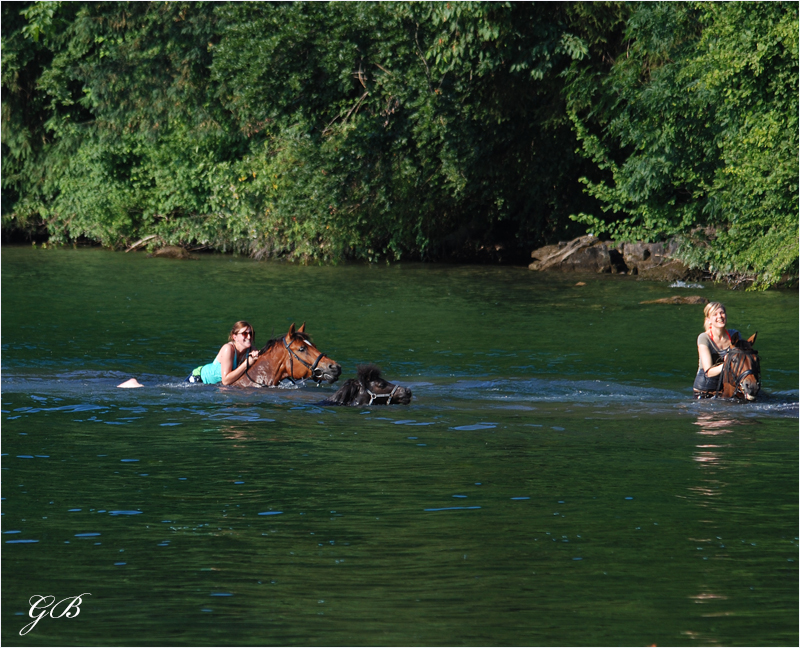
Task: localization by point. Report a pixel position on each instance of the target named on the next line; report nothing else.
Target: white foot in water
(131, 384)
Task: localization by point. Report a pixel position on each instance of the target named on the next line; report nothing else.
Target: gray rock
(640, 257)
(590, 254)
(669, 270)
(584, 254)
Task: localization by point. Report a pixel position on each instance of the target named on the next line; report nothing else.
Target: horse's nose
(750, 390)
(329, 371)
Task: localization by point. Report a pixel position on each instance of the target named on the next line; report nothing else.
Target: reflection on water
(535, 492)
(237, 434)
(712, 424)
(711, 457)
(709, 454)
(717, 452)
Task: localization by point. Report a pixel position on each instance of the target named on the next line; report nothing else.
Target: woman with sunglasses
(232, 360)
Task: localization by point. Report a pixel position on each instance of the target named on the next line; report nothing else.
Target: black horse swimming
(369, 388)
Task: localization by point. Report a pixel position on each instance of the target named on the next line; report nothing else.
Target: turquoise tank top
(211, 374)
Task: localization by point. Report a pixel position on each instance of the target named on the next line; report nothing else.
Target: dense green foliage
(321, 131)
(697, 125)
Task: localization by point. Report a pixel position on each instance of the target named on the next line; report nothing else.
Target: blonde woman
(233, 359)
(713, 345)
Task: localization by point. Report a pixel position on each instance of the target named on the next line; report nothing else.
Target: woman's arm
(705, 362)
(231, 374)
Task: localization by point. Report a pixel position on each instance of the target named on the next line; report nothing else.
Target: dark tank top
(717, 354)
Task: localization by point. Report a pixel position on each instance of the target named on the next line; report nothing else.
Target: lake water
(552, 482)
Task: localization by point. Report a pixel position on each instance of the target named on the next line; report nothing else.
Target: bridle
(732, 372)
(293, 356)
(317, 373)
(388, 397)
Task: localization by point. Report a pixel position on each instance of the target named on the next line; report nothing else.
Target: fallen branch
(141, 242)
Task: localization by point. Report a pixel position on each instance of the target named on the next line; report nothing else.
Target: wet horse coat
(293, 357)
(741, 372)
(370, 388)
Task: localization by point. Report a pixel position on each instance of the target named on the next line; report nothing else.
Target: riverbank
(422, 140)
(660, 261)
(581, 256)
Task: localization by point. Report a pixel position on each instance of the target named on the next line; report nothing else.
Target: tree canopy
(327, 131)
(697, 126)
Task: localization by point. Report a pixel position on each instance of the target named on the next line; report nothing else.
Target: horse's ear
(291, 330)
(752, 338)
(302, 328)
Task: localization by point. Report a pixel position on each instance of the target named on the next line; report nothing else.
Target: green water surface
(552, 482)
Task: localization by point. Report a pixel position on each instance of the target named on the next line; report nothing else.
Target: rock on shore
(173, 252)
(590, 254)
(678, 300)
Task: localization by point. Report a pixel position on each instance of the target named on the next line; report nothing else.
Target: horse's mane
(368, 373)
(352, 387)
(346, 393)
(298, 335)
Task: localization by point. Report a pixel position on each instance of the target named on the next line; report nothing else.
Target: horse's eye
(302, 348)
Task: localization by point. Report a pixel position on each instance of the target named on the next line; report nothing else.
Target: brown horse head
(313, 363)
(741, 373)
(292, 356)
(370, 388)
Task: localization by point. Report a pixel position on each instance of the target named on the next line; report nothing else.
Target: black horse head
(369, 388)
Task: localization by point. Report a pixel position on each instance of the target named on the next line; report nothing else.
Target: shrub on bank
(326, 131)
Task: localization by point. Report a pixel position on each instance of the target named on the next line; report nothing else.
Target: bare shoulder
(225, 352)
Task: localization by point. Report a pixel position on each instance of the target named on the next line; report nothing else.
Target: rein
(246, 373)
(373, 396)
(292, 357)
(731, 372)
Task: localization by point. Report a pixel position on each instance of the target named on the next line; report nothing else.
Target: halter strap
(373, 396)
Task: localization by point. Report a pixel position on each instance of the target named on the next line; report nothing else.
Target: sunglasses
(245, 333)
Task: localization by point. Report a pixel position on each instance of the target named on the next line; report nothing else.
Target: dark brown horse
(292, 357)
(369, 388)
(741, 372)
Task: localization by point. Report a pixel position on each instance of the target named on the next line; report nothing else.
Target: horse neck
(273, 365)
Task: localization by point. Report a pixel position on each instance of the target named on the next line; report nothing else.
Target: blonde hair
(238, 327)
